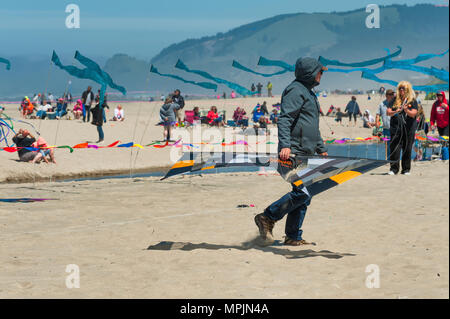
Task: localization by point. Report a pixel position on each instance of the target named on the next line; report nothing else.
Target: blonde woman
(403, 114)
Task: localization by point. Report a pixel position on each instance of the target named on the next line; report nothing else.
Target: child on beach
(44, 151)
(339, 115)
(118, 114)
(78, 110)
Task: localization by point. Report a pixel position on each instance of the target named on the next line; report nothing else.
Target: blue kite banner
(76, 72)
(5, 61)
(266, 62)
(439, 74)
(239, 89)
(426, 88)
(420, 58)
(95, 67)
(206, 85)
(237, 65)
(325, 61)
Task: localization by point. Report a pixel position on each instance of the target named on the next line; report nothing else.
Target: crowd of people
(257, 89)
(42, 106)
(171, 115)
(398, 117)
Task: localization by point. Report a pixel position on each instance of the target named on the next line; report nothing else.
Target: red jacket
(439, 113)
(212, 116)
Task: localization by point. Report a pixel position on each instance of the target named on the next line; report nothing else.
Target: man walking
(259, 88)
(178, 99)
(352, 109)
(298, 135)
(269, 89)
(87, 98)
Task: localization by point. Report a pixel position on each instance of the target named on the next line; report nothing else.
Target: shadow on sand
(252, 244)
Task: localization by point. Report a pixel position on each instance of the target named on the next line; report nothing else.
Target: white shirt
(45, 107)
(118, 113)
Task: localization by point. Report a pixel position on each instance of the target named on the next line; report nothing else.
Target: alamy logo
(373, 19)
(73, 19)
(373, 279)
(73, 279)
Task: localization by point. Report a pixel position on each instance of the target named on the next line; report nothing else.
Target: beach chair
(189, 118)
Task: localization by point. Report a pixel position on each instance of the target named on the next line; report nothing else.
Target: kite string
(64, 97)
(145, 131)
(134, 134)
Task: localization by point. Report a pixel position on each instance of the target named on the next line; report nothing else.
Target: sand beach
(185, 237)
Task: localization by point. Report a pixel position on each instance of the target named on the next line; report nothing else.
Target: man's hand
(285, 153)
(323, 154)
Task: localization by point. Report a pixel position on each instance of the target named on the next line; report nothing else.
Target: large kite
(239, 89)
(91, 72)
(5, 61)
(316, 173)
(205, 85)
(367, 73)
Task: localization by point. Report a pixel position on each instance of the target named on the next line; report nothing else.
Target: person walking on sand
(439, 114)
(403, 128)
(298, 134)
(352, 109)
(269, 89)
(178, 99)
(97, 119)
(259, 88)
(87, 98)
(167, 115)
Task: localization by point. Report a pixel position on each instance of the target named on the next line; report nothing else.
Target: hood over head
(444, 100)
(306, 70)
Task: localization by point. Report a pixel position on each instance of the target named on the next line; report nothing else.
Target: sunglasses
(401, 88)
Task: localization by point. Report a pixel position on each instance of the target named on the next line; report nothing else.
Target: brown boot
(265, 226)
(291, 242)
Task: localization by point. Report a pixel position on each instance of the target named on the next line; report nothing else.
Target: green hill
(337, 35)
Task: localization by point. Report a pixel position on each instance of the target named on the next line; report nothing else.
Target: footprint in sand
(24, 285)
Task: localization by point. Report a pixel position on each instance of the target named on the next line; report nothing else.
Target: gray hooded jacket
(298, 124)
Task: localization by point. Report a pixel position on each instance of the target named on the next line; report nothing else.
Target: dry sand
(202, 245)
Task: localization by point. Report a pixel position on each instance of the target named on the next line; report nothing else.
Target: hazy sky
(140, 28)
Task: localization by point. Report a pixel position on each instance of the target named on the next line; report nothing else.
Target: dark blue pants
(294, 204)
(101, 136)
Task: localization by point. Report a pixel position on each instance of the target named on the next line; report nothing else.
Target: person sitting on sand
(368, 120)
(197, 114)
(42, 110)
(214, 118)
(239, 115)
(274, 116)
(118, 114)
(27, 107)
(61, 108)
(43, 152)
(24, 139)
(78, 110)
(262, 122)
(257, 113)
